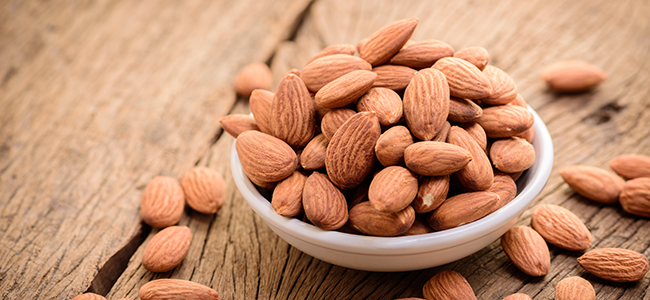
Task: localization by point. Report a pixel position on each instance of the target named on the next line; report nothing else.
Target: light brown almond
(573, 76)
(251, 77)
(505, 120)
(366, 219)
(512, 155)
(435, 158)
(635, 197)
(426, 103)
(519, 101)
(387, 41)
(462, 209)
(162, 202)
(167, 249)
(292, 112)
(89, 296)
(477, 174)
(630, 166)
(333, 119)
(505, 187)
(574, 288)
(235, 124)
(593, 183)
(422, 54)
(478, 133)
(477, 56)
(518, 296)
(463, 110)
(527, 250)
(441, 136)
(561, 227)
(176, 289)
(322, 71)
(383, 101)
(393, 77)
(351, 151)
(465, 79)
(260, 104)
(391, 145)
(334, 49)
(393, 189)
(504, 89)
(615, 264)
(528, 135)
(287, 195)
(448, 285)
(204, 188)
(313, 156)
(265, 158)
(432, 192)
(345, 89)
(324, 204)
(420, 226)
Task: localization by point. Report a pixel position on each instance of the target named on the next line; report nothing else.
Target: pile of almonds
(404, 131)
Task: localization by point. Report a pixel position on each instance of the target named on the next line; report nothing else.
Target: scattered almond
(615, 264)
(518, 296)
(176, 289)
(560, 227)
(162, 202)
(635, 197)
(251, 77)
(167, 249)
(205, 190)
(89, 296)
(573, 76)
(574, 288)
(630, 166)
(593, 183)
(527, 250)
(448, 285)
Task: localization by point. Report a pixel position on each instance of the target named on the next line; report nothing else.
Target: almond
(392, 189)
(324, 70)
(387, 41)
(351, 151)
(176, 289)
(287, 195)
(345, 89)
(435, 158)
(366, 219)
(477, 56)
(615, 264)
(573, 76)
(593, 183)
(420, 226)
(635, 197)
(292, 112)
(265, 158)
(528, 135)
(465, 79)
(463, 110)
(448, 285)
(560, 227)
(504, 89)
(324, 204)
(477, 174)
(393, 77)
(441, 136)
(511, 155)
(333, 119)
(89, 296)
(167, 249)
(204, 189)
(505, 187)
(630, 166)
(334, 49)
(391, 145)
(426, 103)
(260, 104)
(234, 124)
(432, 192)
(574, 288)
(478, 133)
(251, 77)
(519, 101)
(162, 202)
(527, 250)
(313, 156)
(462, 209)
(422, 54)
(385, 102)
(518, 296)
(505, 120)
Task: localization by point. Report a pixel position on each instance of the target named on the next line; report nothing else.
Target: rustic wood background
(98, 97)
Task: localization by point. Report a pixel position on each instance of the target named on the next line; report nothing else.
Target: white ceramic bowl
(404, 253)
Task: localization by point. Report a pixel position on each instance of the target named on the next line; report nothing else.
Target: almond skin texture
(260, 103)
(463, 110)
(351, 152)
(324, 204)
(251, 77)
(162, 202)
(593, 183)
(504, 89)
(448, 285)
(237, 123)
(367, 220)
(505, 120)
(518, 296)
(574, 288)
(205, 190)
(167, 249)
(462, 209)
(422, 54)
(287, 195)
(426, 103)
(292, 112)
(478, 133)
(435, 158)
(265, 158)
(89, 296)
(443, 133)
(527, 250)
(560, 227)
(615, 264)
(391, 145)
(334, 49)
(573, 76)
(345, 89)
(477, 174)
(393, 77)
(387, 41)
(324, 70)
(477, 56)
(393, 189)
(432, 192)
(176, 289)
(385, 102)
(635, 197)
(511, 155)
(465, 79)
(505, 187)
(630, 166)
(313, 156)
(333, 119)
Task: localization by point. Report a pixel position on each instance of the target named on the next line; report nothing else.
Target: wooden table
(98, 97)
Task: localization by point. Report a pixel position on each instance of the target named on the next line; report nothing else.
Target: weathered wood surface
(97, 98)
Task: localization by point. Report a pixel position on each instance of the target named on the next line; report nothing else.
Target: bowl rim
(535, 179)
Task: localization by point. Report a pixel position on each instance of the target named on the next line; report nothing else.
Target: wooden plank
(96, 98)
